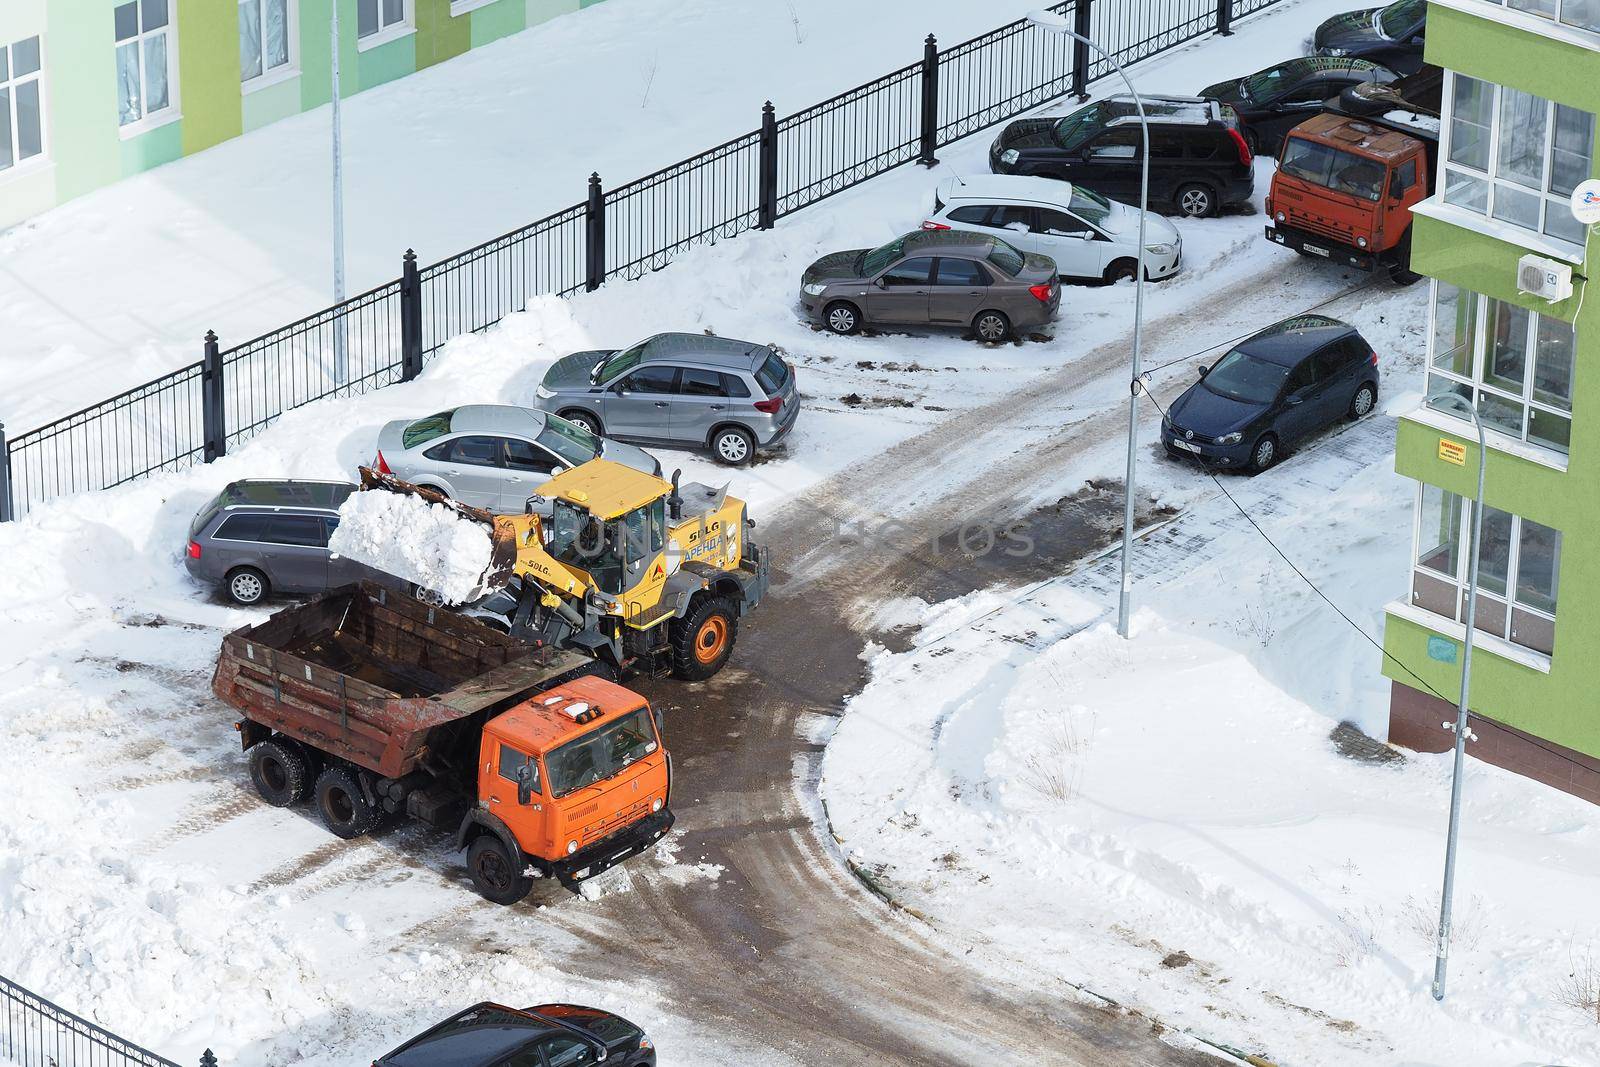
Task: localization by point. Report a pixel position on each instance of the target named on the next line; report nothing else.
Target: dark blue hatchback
(1286, 382)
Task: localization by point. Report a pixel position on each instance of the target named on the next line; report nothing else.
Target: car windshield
(1081, 125)
(569, 441)
(878, 260)
(1005, 258)
(583, 541)
(618, 363)
(1332, 168)
(1089, 206)
(1243, 377)
(1268, 83)
(1399, 17)
(424, 430)
(601, 753)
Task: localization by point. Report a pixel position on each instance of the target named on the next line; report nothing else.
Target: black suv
(1199, 160)
(550, 1035)
(1274, 101)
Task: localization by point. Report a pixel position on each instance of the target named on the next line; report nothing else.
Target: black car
(1199, 160)
(1286, 382)
(550, 1035)
(1274, 101)
(1389, 35)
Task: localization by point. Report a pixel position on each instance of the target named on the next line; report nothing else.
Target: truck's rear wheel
(280, 773)
(496, 874)
(342, 803)
(703, 640)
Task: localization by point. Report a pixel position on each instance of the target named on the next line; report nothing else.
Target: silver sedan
(493, 456)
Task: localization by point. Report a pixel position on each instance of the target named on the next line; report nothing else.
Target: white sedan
(1087, 235)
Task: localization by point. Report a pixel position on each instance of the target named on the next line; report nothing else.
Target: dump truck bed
(377, 677)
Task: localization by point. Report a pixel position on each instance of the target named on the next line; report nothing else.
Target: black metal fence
(37, 1033)
(386, 335)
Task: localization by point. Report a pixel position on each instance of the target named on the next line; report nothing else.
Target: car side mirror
(525, 784)
(880, 283)
(1396, 190)
(1202, 369)
(660, 715)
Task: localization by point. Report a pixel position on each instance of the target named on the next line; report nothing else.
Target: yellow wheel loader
(640, 573)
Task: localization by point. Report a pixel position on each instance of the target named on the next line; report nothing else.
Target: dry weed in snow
(1355, 937)
(1580, 989)
(1055, 769)
(1421, 917)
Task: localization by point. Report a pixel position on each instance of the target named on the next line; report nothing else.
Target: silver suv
(261, 537)
(679, 390)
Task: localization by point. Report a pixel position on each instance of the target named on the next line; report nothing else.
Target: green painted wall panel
(1495, 52)
(80, 66)
(160, 145)
(498, 20)
(316, 39)
(377, 66)
(208, 73)
(440, 35)
(264, 106)
(545, 10)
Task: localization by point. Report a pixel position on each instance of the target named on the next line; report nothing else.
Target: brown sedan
(933, 278)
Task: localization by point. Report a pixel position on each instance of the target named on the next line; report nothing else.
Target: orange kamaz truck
(375, 706)
(1348, 178)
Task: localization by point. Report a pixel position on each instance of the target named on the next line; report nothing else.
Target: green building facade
(95, 90)
(1521, 92)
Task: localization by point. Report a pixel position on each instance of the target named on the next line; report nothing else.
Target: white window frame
(392, 32)
(463, 7)
(151, 120)
(1555, 19)
(1479, 354)
(1464, 561)
(10, 82)
(1548, 201)
(291, 68)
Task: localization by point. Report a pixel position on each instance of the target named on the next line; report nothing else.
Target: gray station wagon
(933, 278)
(679, 390)
(261, 537)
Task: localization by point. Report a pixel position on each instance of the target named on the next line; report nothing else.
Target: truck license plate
(1314, 250)
(1185, 445)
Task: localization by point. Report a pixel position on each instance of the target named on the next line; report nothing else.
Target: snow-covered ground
(235, 239)
(142, 881)
(1168, 821)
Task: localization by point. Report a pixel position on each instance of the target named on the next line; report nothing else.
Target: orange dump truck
(1348, 178)
(376, 705)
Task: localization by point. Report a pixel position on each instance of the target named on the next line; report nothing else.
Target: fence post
(595, 233)
(410, 318)
(209, 1059)
(767, 215)
(1081, 19)
(6, 514)
(1225, 18)
(211, 408)
(930, 101)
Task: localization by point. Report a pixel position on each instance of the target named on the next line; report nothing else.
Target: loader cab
(609, 522)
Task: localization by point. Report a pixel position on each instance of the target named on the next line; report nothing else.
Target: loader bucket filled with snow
(420, 536)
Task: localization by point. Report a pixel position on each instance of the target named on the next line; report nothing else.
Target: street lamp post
(1054, 23)
(341, 357)
(1459, 403)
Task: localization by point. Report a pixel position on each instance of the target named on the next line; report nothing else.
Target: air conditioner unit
(1545, 278)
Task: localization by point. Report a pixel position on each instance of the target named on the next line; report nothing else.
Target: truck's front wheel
(279, 772)
(703, 639)
(343, 804)
(496, 874)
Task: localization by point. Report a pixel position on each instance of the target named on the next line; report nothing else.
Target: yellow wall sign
(1452, 452)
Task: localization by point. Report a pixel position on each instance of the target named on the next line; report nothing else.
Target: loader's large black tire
(343, 804)
(703, 640)
(280, 772)
(495, 872)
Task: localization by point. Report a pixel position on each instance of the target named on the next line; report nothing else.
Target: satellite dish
(1586, 202)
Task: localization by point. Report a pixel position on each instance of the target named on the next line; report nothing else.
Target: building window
(1583, 14)
(1515, 364)
(379, 16)
(1518, 569)
(1515, 157)
(144, 57)
(265, 38)
(21, 107)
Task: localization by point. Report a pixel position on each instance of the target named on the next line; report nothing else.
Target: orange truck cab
(570, 782)
(1348, 178)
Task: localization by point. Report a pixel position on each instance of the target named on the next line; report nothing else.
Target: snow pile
(1167, 819)
(431, 545)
